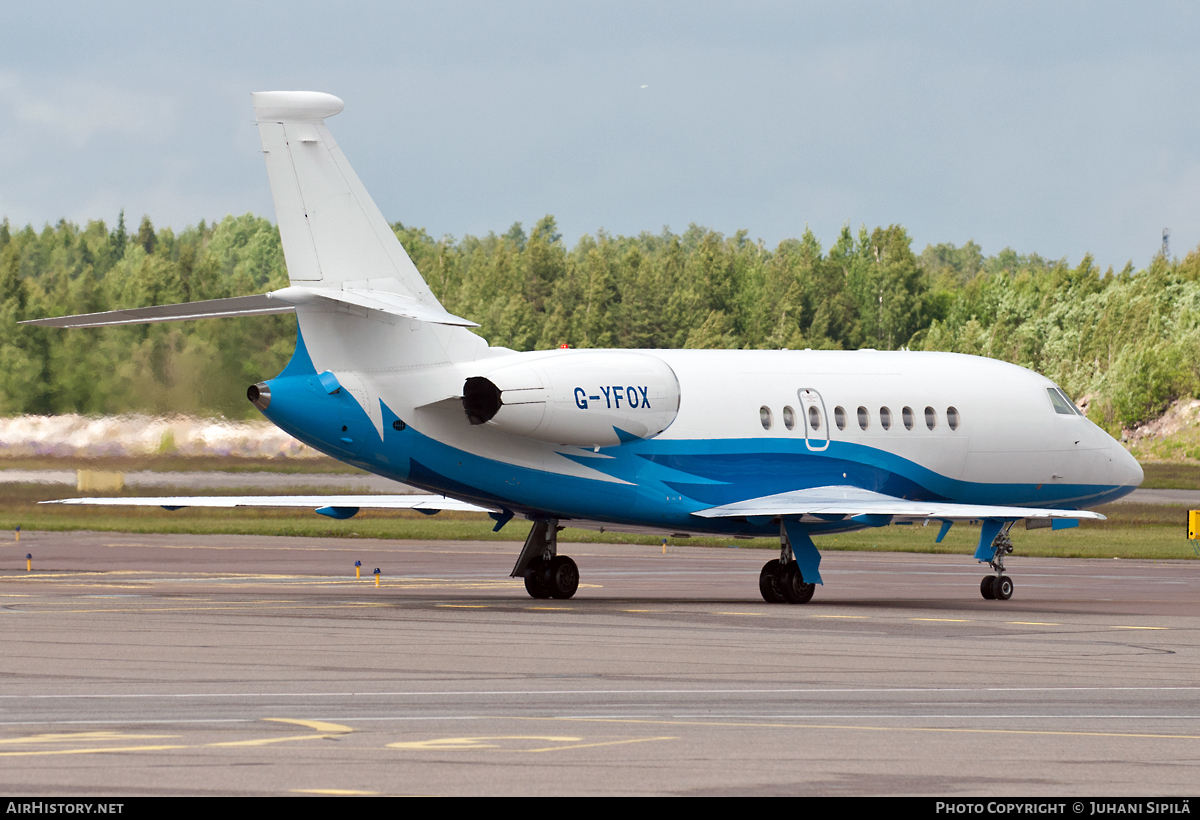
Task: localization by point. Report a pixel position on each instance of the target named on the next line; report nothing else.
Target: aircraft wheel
(795, 591)
(533, 581)
(769, 583)
(987, 587)
(1003, 588)
(561, 577)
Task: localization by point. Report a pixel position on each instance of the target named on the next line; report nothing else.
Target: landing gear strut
(547, 574)
(781, 580)
(998, 587)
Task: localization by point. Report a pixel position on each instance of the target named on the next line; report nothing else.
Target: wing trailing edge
(876, 509)
(430, 503)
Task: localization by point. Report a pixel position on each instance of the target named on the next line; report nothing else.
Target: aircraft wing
(842, 502)
(335, 506)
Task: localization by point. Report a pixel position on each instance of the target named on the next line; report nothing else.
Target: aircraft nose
(1128, 473)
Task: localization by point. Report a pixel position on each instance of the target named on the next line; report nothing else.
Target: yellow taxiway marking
(463, 606)
(850, 727)
(840, 616)
(1139, 627)
(91, 751)
(336, 792)
(738, 613)
(76, 737)
(639, 610)
(315, 725)
(563, 608)
(327, 730)
(442, 744)
(944, 620)
(1032, 623)
(467, 743)
(230, 606)
(605, 743)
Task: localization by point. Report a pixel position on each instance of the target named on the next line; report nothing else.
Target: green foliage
(1131, 339)
(195, 367)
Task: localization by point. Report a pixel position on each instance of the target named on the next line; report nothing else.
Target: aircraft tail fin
(333, 234)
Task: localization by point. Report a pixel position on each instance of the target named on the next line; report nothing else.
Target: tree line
(1130, 340)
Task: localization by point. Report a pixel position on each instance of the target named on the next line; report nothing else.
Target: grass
(1171, 476)
(1131, 531)
(1179, 446)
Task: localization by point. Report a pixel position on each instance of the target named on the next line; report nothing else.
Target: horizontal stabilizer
(833, 503)
(260, 305)
(280, 301)
(433, 503)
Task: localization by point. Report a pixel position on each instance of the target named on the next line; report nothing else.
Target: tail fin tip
(294, 106)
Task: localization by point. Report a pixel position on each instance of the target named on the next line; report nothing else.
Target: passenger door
(814, 418)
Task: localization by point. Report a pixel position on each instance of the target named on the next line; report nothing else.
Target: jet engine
(584, 398)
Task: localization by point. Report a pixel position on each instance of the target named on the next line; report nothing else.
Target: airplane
(793, 444)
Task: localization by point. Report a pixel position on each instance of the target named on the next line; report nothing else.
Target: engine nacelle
(577, 397)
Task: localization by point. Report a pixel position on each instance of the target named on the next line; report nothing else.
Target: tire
(561, 577)
(987, 587)
(795, 591)
(769, 583)
(533, 581)
(1003, 588)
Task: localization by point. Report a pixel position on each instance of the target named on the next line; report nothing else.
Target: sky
(1051, 128)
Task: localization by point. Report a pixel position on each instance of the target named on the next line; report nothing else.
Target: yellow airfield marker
(842, 616)
(376, 576)
(29, 562)
(358, 569)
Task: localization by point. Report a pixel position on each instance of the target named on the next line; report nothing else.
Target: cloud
(76, 111)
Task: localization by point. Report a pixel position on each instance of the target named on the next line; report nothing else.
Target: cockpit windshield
(1062, 405)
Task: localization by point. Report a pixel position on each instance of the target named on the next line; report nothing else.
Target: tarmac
(242, 665)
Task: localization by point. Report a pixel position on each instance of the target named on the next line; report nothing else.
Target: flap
(848, 502)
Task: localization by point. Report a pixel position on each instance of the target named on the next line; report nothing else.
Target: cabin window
(839, 418)
(864, 418)
(1062, 405)
(907, 415)
(814, 418)
(930, 418)
(885, 418)
(764, 415)
(789, 418)
(952, 417)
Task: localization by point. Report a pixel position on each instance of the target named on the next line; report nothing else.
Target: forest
(1126, 341)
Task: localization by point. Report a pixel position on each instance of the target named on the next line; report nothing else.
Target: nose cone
(1127, 471)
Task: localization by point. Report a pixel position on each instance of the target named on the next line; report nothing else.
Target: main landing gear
(781, 581)
(547, 574)
(998, 587)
